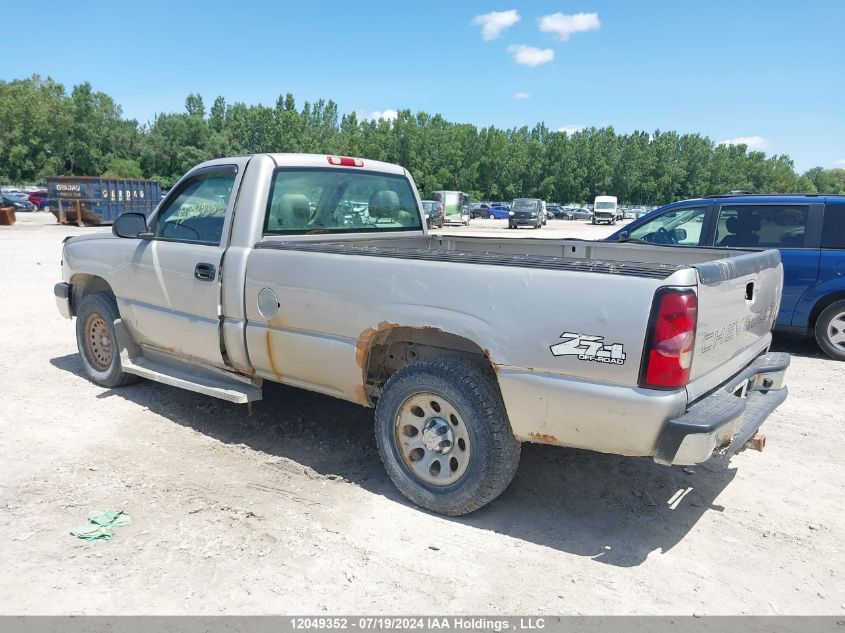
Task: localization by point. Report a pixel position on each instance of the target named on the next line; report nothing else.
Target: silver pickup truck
(318, 272)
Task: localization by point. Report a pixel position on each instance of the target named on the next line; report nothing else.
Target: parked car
(527, 212)
(39, 199)
(557, 212)
(19, 201)
(433, 213)
(480, 210)
(809, 231)
(499, 212)
(580, 214)
(345, 311)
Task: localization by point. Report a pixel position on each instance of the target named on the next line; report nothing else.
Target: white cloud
(375, 115)
(752, 142)
(530, 55)
(565, 25)
(841, 161)
(494, 23)
(570, 129)
(521, 95)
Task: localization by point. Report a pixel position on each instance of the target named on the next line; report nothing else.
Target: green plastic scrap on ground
(101, 525)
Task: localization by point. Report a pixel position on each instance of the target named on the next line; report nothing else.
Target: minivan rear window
(833, 233)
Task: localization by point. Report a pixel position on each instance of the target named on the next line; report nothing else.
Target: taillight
(345, 161)
(668, 354)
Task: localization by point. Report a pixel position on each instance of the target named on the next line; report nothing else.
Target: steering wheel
(665, 237)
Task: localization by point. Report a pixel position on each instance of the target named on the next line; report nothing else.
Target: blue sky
(771, 71)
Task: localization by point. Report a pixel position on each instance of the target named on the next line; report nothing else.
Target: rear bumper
(728, 417)
(62, 293)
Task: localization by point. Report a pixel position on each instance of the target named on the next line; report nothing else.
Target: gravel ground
(289, 510)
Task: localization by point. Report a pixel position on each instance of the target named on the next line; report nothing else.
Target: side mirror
(624, 236)
(680, 235)
(130, 225)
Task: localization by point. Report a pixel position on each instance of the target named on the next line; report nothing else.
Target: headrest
(733, 225)
(384, 204)
(294, 206)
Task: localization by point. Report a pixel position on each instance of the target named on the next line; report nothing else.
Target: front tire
(444, 436)
(830, 330)
(96, 341)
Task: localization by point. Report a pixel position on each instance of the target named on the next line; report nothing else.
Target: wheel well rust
(382, 350)
(83, 284)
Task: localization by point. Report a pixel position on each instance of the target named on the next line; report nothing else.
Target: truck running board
(170, 370)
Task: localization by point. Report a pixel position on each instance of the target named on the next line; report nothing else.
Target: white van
(604, 209)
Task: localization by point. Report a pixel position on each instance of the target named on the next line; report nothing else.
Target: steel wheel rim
(432, 439)
(98, 343)
(836, 331)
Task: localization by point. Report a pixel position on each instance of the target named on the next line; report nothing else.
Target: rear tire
(449, 412)
(830, 330)
(96, 340)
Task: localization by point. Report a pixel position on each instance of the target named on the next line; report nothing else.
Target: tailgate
(738, 300)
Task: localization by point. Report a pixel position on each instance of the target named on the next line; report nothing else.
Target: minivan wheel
(444, 436)
(96, 340)
(830, 330)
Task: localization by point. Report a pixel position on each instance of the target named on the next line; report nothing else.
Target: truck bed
(635, 260)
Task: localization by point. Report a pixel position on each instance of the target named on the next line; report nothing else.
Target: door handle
(205, 272)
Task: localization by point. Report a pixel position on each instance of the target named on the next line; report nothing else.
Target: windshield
(312, 201)
(525, 205)
(605, 205)
(427, 206)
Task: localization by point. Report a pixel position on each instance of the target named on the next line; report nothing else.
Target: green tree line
(44, 131)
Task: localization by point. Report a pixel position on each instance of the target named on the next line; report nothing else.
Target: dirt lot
(289, 510)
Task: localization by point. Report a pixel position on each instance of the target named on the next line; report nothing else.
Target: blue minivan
(809, 231)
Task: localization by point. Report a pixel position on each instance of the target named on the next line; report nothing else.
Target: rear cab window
(313, 201)
(762, 225)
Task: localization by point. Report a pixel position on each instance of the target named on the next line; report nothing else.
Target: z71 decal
(588, 347)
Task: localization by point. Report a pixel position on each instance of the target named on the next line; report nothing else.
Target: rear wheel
(444, 437)
(96, 340)
(830, 330)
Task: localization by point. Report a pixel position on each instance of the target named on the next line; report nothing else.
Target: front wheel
(96, 341)
(830, 330)
(444, 436)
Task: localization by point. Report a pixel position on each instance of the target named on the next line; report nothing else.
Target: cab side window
(680, 227)
(833, 233)
(762, 226)
(198, 211)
